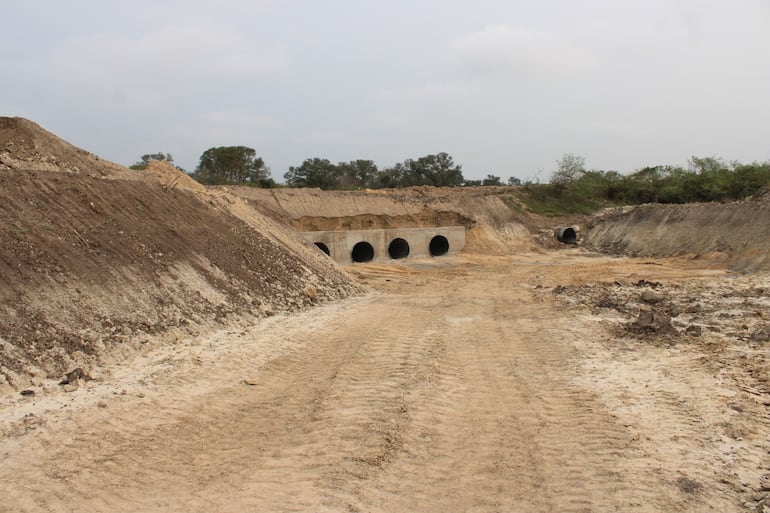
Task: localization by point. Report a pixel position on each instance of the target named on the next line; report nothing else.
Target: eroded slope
(732, 234)
(92, 264)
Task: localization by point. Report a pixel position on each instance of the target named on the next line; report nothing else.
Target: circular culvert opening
(398, 248)
(323, 247)
(362, 252)
(567, 235)
(439, 245)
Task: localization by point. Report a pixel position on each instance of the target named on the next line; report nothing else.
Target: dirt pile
(25, 145)
(731, 234)
(496, 222)
(93, 268)
(169, 176)
(732, 315)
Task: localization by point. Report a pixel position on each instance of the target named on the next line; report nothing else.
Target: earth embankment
(98, 261)
(732, 234)
(495, 220)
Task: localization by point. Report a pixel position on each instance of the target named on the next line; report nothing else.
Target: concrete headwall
(346, 247)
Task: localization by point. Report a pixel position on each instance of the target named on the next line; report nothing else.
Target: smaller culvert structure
(398, 248)
(439, 246)
(323, 247)
(362, 252)
(566, 235)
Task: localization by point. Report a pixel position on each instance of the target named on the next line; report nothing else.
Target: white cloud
(501, 49)
(227, 128)
(326, 136)
(154, 68)
(239, 121)
(423, 92)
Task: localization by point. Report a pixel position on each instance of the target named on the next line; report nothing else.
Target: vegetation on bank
(572, 189)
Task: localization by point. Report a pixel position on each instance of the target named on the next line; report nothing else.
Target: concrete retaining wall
(346, 247)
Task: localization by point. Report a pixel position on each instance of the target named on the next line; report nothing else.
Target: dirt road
(456, 385)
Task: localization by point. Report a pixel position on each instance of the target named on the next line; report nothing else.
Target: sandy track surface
(462, 384)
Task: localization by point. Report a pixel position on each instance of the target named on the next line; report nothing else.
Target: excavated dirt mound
(25, 145)
(731, 234)
(91, 267)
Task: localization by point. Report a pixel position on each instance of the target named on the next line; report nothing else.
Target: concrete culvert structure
(398, 248)
(439, 246)
(323, 247)
(566, 235)
(362, 252)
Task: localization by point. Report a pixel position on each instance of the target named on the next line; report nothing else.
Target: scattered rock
(69, 387)
(651, 297)
(610, 301)
(761, 335)
(27, 392)
(655, 321)
(689, 485)
(694, 330)
(74, 375)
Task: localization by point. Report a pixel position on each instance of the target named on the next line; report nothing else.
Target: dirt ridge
(727, 234)
(94, 269)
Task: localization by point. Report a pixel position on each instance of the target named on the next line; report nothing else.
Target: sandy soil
(735, 233)
(89, 266)
(463, 384)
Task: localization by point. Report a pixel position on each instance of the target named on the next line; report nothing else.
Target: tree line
(575, 188)
(239, 165)
(572, 187)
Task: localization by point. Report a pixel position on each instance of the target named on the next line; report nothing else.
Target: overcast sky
(504, 86)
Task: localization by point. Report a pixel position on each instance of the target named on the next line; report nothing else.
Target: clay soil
(560, 381)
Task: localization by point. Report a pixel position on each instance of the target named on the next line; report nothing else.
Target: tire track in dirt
(458, 391)
(500, 427)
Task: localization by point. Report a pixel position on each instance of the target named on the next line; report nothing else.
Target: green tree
(491, 180)
(569, 168)
(227, 165)
(438, 170)
(713, 177)
(514, 181)
(146, 159)
(749, 178)
(315, 172)
(358, 174)
(390, 177)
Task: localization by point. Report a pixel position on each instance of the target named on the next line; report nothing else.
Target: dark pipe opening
(566, 235)
(439, 245)
(398, 248)
(323, 247)
(362, 252)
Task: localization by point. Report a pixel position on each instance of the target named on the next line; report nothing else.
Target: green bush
(706, 179)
